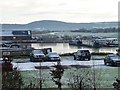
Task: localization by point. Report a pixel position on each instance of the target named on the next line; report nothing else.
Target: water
(65, 48)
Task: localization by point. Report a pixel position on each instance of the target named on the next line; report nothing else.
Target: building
(16, 36)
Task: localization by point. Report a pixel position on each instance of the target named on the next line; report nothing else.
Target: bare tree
(57, 74)
(82, 79)
(116, 84)
(12, 80)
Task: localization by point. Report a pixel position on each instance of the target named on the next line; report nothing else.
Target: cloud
(23, 11)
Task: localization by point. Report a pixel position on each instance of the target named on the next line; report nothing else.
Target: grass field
(87, 34)
(104, 77)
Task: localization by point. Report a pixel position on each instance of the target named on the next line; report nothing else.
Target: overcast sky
(25, 11)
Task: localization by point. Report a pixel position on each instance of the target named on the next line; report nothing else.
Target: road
(67, 62)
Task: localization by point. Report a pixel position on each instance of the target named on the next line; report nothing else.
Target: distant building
(16, 36)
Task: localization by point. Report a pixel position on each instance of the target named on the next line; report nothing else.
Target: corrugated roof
(15, 33)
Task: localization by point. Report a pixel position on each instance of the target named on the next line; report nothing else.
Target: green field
(87, 34)
(104, 77)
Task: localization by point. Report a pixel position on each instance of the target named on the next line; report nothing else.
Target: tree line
(96, 30)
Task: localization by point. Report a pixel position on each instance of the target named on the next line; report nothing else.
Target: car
(52, 56)
(118, 52)
(76, 42)
(82, 55)
(37, 55)
(14, 46)
(112, 59)
(5, 45)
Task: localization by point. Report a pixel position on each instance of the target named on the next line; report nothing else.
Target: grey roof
(15, 33)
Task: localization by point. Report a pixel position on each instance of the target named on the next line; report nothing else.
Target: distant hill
(51, 25)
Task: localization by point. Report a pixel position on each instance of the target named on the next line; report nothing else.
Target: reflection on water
(65, 48)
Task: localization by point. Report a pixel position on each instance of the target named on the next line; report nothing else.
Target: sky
(26, 11)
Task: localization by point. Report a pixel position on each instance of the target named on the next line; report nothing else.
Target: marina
(66, 48)
(21, 43)
(59, 45)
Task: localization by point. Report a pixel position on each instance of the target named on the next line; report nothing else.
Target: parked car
(10, 45)
(37, 55)
(52, 56)
(112, 59)
(82, 55)
(14, 46)
(5, 45)
(118, 51)
(76, 42)
(46, 50)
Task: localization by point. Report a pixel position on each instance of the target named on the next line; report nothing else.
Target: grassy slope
(106, 77)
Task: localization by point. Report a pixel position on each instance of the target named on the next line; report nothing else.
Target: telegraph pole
(94, 78)
(40, 74)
